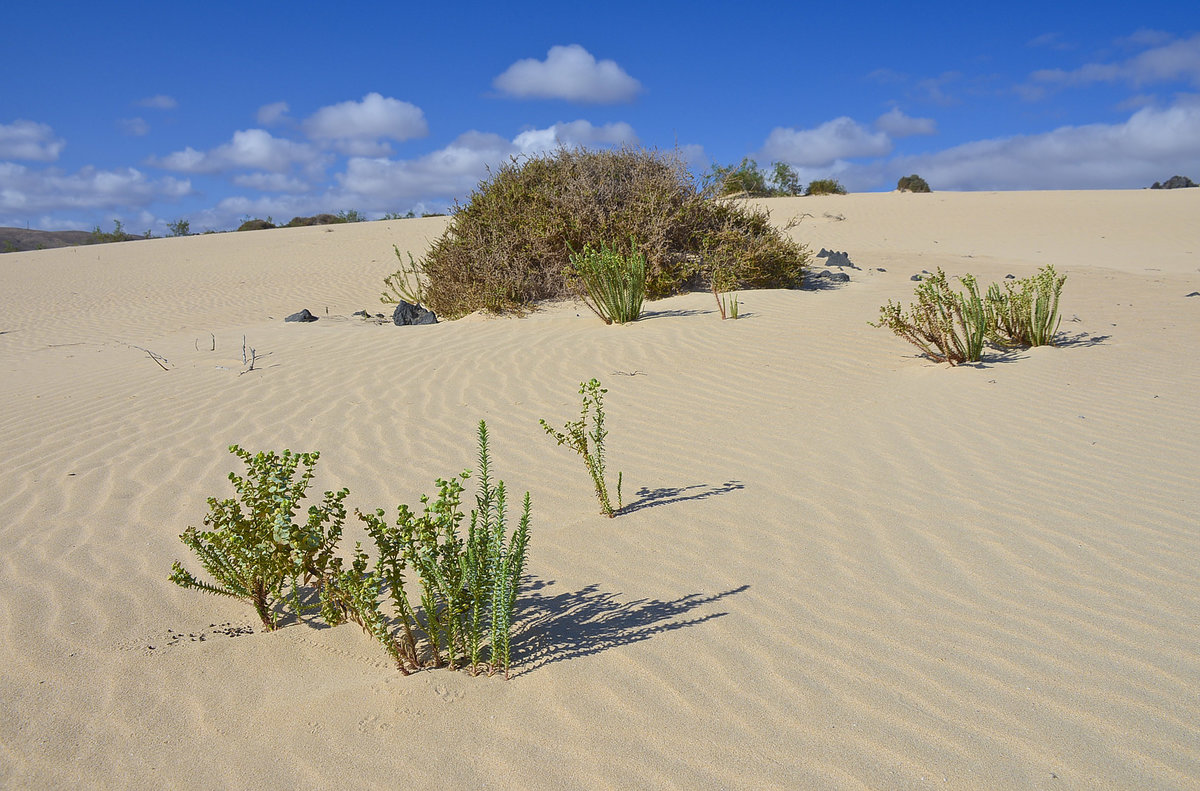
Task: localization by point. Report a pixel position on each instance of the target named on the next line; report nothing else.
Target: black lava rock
(303, 315)
(408, 314)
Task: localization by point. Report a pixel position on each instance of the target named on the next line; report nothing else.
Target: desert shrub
(913, 183)
(824, 187)
(1025, 313)
(255, 550)
(316, 219)
(589, 442)
(945, 325)
(351, 215)
(611, 284)
(256, 225)
(467, 584)
(118, 234)
(510, 244)
(784, 180)
(180, 227)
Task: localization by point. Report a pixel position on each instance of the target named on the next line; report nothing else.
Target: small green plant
(727, 303)
(256, 225)
(404, 284)
(468, 584)
(946, 326)
(351, 215)
(589, 443)
(118, 234)
(913, 183)
(255, 550)
(180, 227)
(612, 284)
(824, 187)
(1025, 313)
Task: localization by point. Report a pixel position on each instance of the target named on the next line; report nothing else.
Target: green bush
(468, 584)
(180, 227)
(255, 551)
(824, 187)
(611, 284)
(1025, 313)
(256, 225)
(510, 244)
(946, 326)
(913, 183)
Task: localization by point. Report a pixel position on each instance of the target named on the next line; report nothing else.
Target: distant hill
(15, 240)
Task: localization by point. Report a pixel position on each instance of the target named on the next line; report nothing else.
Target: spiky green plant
(590, 443)
(946, 326)
(609, 282)
(467, 587)
(1025, 313)
(256, 551)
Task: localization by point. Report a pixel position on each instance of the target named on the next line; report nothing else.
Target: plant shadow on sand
(652, 498)
(557, 627)
(664, 314)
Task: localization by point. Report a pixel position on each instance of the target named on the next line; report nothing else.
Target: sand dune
(842, 566)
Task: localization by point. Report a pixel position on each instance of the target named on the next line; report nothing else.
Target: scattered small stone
(303, 315)
(832, 277)
(1010, 276)
(916, 277)
(408, 314)
(880, 269)
(1194, 294)
(362, 313)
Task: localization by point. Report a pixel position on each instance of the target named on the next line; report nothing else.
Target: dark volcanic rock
(407, 313)
(1174, 183)
(303, 315)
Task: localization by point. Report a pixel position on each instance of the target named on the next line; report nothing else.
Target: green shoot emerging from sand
(467, 587)
(256, 551)
(590, 444)
(727, 303)
(945, 325)
(1025, 313)
(613, 285)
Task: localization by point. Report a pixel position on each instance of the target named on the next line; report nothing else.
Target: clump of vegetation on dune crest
(511, 243)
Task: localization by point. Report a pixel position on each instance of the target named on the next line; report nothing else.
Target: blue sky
(153, 112)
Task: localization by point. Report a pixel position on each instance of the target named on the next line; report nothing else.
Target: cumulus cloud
(271, 114)
(29, 140)
(1175, 60)
(459, 167)
(1153, 143)
(895, 123)
(839, 139)
(28, 190)
(250, 149)
(358, 127)
(159, 102)
(271, 182)
(575, 133)
(570, 73)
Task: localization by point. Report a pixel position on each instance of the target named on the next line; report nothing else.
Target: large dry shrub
(510, 244)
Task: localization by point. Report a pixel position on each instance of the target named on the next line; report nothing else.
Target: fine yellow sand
(843, 566)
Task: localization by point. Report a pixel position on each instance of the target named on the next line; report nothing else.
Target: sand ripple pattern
(840, 566)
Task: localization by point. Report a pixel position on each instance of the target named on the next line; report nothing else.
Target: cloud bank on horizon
(1136, 98)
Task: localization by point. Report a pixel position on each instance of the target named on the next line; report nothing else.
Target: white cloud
(271, 182)
(1170, 61)
(159, 102)
(137, 127)
(839, 139)
(250, 149)
(27, 190)
(1153, 144)
(274, 113)
(29, 140)
(575, 133)
(895, 124)
(571, 73)
(379, 184)
(357, 127)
